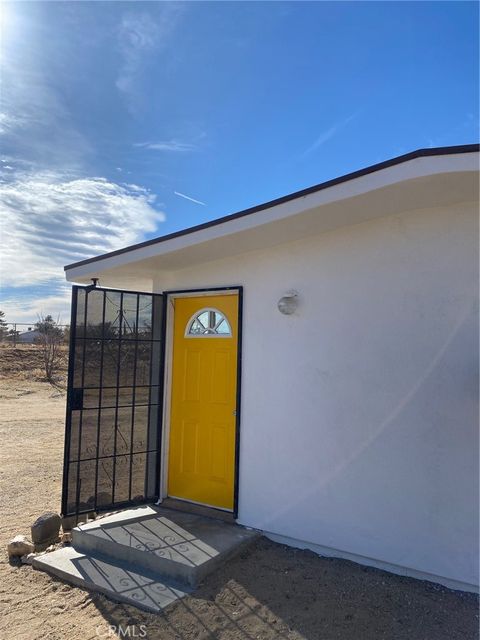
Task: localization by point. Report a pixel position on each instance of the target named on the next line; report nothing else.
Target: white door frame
(168, 367)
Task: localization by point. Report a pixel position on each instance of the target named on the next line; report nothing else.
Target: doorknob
(234, 413)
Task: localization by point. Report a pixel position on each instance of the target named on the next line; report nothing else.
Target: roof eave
(420, 153)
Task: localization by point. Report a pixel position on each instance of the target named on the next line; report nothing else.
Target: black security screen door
(112, 435)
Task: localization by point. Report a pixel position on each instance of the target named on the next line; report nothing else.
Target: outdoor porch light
(288, 303)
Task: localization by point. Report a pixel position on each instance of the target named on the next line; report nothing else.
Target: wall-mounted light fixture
(288, 303)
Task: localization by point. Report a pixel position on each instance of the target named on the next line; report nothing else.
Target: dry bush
(25, 362)
(51, 343)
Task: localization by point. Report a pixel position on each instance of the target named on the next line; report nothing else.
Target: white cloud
(49, 215)
(30, 309)
(167, 145)
(51, 219)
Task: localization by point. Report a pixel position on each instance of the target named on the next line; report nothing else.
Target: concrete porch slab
(114, 579)
(179, 547)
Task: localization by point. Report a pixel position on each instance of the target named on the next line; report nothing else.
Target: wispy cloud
(51, 219)
(139, 36)
(8, 123)
(167, 145)
(35, 121)
(28, 308)
(465, 130)
(54, 207)
(327, 135)
(182, 195)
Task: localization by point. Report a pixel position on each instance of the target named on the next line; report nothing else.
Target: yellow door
(201, 464)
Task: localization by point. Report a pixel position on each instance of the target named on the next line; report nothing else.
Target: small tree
(13, 334)
(66, 334)
(50, 339)
(3, 326)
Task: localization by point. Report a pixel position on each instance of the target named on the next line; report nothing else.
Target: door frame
(167, 381)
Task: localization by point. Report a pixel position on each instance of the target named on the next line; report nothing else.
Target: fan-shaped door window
(208, 323)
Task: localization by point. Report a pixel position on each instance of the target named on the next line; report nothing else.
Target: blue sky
(123, 121)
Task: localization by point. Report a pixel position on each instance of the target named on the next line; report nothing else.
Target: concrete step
(112, 578)
(198, 509)
(180, 548)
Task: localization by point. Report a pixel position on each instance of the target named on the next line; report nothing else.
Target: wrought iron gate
(112, 434)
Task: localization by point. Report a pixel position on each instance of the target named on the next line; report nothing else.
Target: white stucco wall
(359, 428)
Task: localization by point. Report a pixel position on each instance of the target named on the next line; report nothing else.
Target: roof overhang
(423, 179)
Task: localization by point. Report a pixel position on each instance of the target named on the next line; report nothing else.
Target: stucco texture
(359, 412)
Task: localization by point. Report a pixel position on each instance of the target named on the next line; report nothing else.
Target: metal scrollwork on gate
(112, 338)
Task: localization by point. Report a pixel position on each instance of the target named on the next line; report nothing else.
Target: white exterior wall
(359, 413)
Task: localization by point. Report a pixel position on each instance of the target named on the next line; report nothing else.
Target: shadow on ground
(272, 591)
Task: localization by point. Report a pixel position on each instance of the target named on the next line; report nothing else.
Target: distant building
(28, 337)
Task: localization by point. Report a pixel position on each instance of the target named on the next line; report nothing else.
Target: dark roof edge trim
(412, 155)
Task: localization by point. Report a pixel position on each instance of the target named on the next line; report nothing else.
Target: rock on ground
(27, 559)
(19, 546)
(46, 528)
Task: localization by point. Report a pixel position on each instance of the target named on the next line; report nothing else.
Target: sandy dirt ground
(269, 592)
